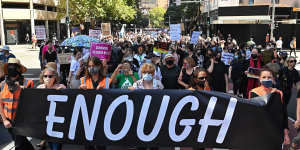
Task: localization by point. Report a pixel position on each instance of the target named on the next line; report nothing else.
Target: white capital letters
(109, 114)
(207, 121)
(51, 118)
(184, 122)
(89, 126)
(143, 115)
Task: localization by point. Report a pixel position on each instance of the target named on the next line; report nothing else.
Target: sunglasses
(202, 78)
(48, 76)
(293, 61)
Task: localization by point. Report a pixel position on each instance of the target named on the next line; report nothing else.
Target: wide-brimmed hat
(5, 48)
(23, 69)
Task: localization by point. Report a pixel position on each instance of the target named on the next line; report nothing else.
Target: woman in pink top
(45, 49)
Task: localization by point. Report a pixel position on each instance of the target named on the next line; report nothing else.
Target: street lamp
(68, 19)
(273, 20)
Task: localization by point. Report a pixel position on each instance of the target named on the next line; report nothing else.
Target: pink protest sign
(100, 50)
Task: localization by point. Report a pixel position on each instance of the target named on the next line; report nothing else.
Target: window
(251, 2)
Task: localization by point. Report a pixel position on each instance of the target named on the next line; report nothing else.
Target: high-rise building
(20, 17)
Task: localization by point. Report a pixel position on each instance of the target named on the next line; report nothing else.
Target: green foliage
(79, 10)
(157, 16)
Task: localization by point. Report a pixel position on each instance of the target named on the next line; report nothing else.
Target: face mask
(1, 53)
(148, 61)
(12, 71)
(236, 57)
(170, 62)
(93, 70)
(201, 84)
(254, 56)
(267, 83)
(47, 81)
(218, 59)
(147, 77)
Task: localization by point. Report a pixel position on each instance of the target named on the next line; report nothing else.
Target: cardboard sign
(106, 30)
(65, 58)
(100, 50)
(195, 37)
(95, 33)
(227, 58)
(175, 32)
(40, 32)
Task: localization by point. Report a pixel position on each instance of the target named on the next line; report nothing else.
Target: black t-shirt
(186, 78)
(218, 77)
(182, 55)
(170, 76)
(51, 56)
(284, 109)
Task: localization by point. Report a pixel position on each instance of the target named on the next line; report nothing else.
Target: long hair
(97, 62)
(193, 84)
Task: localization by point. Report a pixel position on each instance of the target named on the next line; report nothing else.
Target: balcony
(46, 2)
(44, 15)
(16, 14)
(16, 1)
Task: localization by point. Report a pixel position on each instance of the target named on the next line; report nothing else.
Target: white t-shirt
(75, 65)
(279, 44)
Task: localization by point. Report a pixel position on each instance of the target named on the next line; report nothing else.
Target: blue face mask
(1, 53)
(147, 77)
(267, 83)
(236, 57)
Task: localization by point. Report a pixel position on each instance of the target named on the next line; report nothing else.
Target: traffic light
(208, 20)
(67, 20)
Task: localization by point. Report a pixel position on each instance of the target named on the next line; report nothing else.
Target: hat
(169, 56)
(5, 48)
(23, 69)
(51, 65)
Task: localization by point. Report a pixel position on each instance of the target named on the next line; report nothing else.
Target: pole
(273, 20)
(169, 21)
(208, 15)
(2, 26)
(68, 23)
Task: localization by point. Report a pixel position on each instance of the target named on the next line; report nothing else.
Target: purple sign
(100, 50)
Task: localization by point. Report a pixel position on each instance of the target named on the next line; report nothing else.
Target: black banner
(164, 118)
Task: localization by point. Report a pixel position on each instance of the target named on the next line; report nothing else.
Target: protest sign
(106, 30)
(165, 118)
(101, 50)
(40, 32)
(227, 58)
(195, 37)
(175, 32)
(64, 58)
(95, 33)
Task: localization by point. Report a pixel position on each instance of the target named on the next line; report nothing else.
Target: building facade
(21, 17)
(146, 5)
(252, 18)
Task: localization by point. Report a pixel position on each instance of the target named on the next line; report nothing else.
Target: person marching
(199, 81)
(10, 94)
(266, 80)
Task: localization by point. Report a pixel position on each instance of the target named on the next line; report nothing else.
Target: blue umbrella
(79, 41)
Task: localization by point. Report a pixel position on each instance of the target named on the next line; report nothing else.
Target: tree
(100, 9)
(157, 16)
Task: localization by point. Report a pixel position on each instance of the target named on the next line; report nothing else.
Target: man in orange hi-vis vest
(9, 98)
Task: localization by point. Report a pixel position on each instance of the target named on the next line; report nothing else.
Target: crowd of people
(212, 64)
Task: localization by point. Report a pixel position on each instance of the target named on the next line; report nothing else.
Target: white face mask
(47, 81)
(147, 77)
